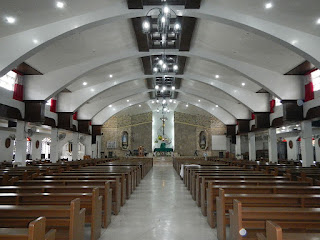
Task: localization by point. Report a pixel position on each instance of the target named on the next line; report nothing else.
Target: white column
(98, 146)
(252, 146)
(75, 147)
(306, 143)
(272, 143)
(21, 144)
(88, 145)
(317, 149)
(54, 146)
(238, 146)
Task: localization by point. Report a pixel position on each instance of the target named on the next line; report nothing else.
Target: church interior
(160, 119)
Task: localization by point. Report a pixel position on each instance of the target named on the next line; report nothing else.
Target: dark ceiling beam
(147, 66)
(135, 4)
(150, 83)
(152, 95)
(177, 82)
(192, 4)
(174, 95)
(181, 65)
(188, 25)
(142, 39)
(302, 69)
(26, 69)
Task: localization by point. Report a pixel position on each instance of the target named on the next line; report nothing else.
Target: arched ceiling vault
(298, 41)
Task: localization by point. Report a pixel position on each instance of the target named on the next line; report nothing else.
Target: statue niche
(203, 140)
(124, 140)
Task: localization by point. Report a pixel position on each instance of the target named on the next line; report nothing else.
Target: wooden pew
(114, 184)
(251, 220)
(104, 191)
(225, 203)
(92, 202)
(67, 220)
(35, 231)
(213, 192)
(274, 232)
(202, 183)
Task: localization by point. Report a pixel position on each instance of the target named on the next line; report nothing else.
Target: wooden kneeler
(36, 231)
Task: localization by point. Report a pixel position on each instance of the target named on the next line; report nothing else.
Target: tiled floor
(160, 208)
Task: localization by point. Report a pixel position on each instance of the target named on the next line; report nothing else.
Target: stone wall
(187, 131)
(139, 128)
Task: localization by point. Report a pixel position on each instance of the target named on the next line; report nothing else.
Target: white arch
(307, 45)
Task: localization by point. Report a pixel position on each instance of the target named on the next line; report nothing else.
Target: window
(315, 76)
(278, 102)
(8, 81)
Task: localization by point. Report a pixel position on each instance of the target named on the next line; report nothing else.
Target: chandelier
(164, 26)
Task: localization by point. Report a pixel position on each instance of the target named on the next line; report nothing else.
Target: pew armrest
(51, 235)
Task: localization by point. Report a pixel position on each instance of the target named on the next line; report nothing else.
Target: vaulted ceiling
(227, 52)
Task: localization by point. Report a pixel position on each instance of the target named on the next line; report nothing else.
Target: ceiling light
(157, 101)
(294, 42)
(60, 5)
(187, 105)
(165, 109)
(217, 76)
(164, 88)
(160, 62)
(283, 128)
(110, 76)
(128, 100)
(156, 87)
(163, 19)
(243, 84)
(217, 106)
(318, 21)
(139, 105)
(168, 110)
(92, 90)
(175, 67)
(268, 5)
(10, 20)
(152, 102)
(170, 100)
(199, 100)
(146, 26)
(164, 101)
(297, 125)
(164, 66)
(173, 88)
(174, 101)
(155, 69)
(84, 83)
(35, 41)
(166, 10)
(110, 106)
(158, 110)
(177, 27)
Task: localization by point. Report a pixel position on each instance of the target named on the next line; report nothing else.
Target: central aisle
(161, 209)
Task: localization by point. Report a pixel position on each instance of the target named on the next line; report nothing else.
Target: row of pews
(250, 200)
(57, 200)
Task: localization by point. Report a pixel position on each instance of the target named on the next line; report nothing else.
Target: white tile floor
(160, 208)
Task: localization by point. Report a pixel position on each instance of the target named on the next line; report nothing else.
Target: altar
(163, 150)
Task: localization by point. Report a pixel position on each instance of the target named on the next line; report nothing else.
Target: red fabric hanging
(18, 88)
(90, 123)
(253, 117)
(75, 116)
(53, 106)
(308, 89)
(272, 105)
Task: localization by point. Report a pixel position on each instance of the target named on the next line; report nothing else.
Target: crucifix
(163, 119)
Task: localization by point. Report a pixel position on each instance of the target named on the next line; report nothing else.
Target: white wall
(6, 154)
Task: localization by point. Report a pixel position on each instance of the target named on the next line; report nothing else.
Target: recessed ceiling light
(60, 5)
(10, 20)
(199, 100)
(113, 109)
(110, 76)
(152, 101)
(164, 101)
(35, 41)
(318, 21)
(92, 90)
(174, 101)
(217, 106)
(156, 87)
(217, 76)
(164, 88)
(243, 84)
(297, 125)
(170, 100)
(294, 42)
(110, 106)
(84, 83)
(157, 101)
(268, 5)
(187, 105)
(128, 100)
(139, 105)
(173, 88)
(283, 128)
